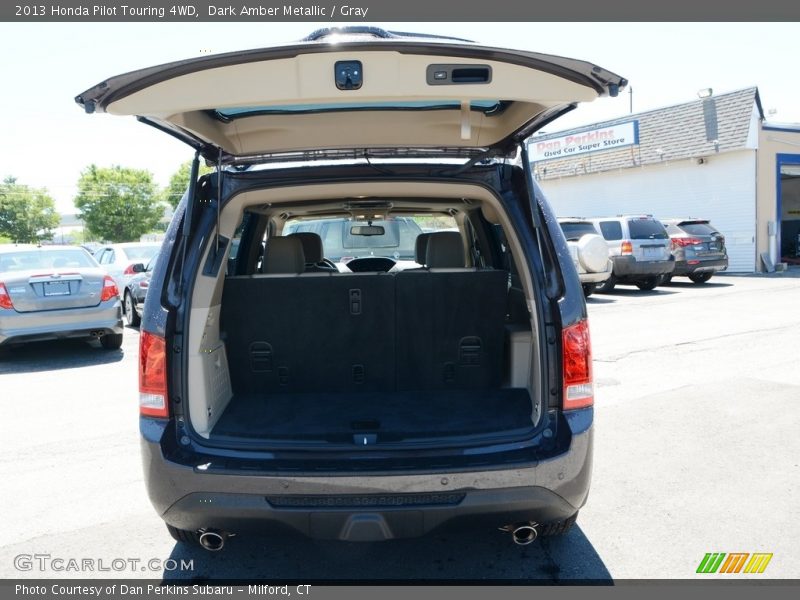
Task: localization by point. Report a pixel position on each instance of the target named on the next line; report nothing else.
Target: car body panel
(291, 101)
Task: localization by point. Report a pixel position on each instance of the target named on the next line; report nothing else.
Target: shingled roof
(665, 134)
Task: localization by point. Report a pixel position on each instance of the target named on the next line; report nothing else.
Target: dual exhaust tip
(521, 533)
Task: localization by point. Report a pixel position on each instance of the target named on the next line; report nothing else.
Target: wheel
(111, 341)
(588, 288)
(665, 279)
(648, 284)
(132, 318)
(608, 285)
(558, 527)
(183, 536)
(700, 277)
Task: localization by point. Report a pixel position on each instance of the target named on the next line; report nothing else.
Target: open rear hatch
(354, 89)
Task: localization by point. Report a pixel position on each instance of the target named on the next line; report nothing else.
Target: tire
(132, 318)
(665, 279)
(700, 278)
(593, 253)
(588, 288)
(111, 341)
(184, 537)
(608, 286)
(648, 284)
(558, 527)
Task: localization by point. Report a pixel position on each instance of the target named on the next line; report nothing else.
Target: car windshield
(343, 238)
(647, 229)
(698, 228)
(59, 258)
(574, 231)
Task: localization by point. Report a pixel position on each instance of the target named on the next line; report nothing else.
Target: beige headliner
(308, 79)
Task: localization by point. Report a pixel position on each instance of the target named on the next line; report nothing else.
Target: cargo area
(370, 358)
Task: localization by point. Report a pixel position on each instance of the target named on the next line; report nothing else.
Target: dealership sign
(604, 138)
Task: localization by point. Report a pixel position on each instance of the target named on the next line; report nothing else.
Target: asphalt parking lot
(697, 451)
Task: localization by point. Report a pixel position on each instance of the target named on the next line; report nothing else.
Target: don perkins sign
(604, 138)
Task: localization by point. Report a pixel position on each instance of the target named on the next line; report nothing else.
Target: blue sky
(46, 140)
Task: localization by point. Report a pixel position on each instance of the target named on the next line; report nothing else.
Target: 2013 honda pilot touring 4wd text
(408, 383)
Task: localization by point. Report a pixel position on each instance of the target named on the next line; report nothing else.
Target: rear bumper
(629, 267)
(367, 507)
(596, 277)
(682, 267)
(59, 324)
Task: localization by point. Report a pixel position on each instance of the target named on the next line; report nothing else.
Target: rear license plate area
(56, 288)
(652, 252)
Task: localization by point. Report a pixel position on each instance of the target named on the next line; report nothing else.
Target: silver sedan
(55, 292)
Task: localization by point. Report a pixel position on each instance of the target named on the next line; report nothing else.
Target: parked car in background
(362, 406)
(698, 248)
(118, 259)
(54, 292)
(135, 293)
(640, 250)
(589, 252)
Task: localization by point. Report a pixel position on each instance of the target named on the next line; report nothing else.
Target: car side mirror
(138, 268)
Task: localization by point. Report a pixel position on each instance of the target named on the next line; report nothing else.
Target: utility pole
(630, 96)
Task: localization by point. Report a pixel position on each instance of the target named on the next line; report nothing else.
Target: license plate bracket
(56, 288)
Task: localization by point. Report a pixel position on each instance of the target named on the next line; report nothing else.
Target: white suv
(589, 252)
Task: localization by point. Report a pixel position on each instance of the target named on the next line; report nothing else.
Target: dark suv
(698, 248)
(276, 393)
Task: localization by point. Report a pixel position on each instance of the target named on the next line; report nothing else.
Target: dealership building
(714, 158)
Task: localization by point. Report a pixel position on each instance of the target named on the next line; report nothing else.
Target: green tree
(117, 203)
(179, 182)
(27, 215)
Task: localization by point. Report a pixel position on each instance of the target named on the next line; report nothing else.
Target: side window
(98, 256)
(611, 230)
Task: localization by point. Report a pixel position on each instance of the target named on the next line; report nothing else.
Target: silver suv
(640, 250)
(277, 391)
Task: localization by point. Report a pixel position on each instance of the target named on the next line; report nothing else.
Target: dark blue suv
(280, 392)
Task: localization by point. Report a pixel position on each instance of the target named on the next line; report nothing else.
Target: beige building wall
(770, 144)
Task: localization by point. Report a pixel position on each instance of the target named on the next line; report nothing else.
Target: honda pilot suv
(376, 403)
(640, 250)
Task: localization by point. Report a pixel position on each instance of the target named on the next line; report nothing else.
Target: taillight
(626, 248)
(5, 299)
(153, 376)
(144, 284)
(129, 270)
(110, 290)
(681, 242)
(577, 366)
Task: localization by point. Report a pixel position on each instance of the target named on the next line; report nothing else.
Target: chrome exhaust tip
(213, 541)
(525, 534)
(522, 533)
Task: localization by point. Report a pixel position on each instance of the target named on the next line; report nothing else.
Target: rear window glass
(611, 230)
(698, 228)
(397, 242)
(46, 259)
(486, 106)
(574, 231)
(141, 253)
(647, 229)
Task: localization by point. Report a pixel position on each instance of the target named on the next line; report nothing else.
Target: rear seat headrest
(283, 255)
(445, 251)
(312, 246)
(421, 248)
